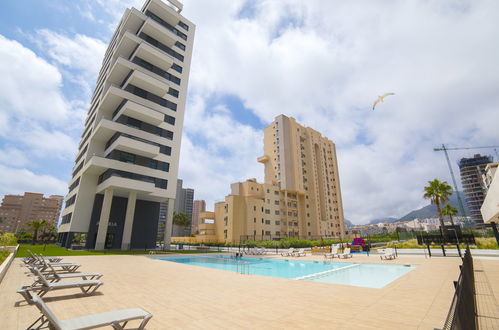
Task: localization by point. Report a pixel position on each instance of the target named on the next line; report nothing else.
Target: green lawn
(3, 255)
(53, 250)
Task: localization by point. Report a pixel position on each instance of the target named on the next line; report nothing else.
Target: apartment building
(18, 210)
(198, 207)
(183, 204)
(127, 162)
(490, 206)
(300, 198)
(472, 170)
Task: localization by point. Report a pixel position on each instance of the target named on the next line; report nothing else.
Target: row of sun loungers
(292, 252)
(334, 253)
(50, 274)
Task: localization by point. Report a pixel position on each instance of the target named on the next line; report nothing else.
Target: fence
(463, 313)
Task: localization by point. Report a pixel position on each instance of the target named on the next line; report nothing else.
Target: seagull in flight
(381, 98)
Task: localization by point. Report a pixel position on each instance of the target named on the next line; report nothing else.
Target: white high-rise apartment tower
(127, 162)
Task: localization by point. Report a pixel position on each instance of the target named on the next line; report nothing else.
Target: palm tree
(450, 211)
(438, 193)
(36, 225)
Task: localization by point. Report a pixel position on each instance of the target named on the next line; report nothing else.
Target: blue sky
(323, 63)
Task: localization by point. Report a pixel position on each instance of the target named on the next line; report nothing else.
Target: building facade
(18, 210)
(300, 198)
(471, 170)
(198, 207)
(127, 162)
(183, 204)
(490, 206)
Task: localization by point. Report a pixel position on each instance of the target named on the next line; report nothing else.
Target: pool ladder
(243, 267)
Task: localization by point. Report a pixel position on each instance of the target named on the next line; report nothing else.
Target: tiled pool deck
(188, 297)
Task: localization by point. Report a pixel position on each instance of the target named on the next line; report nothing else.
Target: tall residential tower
(127, 162)
(300, 198)
(472, 170)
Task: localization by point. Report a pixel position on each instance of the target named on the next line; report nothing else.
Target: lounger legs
(43, 323)
(142, 325)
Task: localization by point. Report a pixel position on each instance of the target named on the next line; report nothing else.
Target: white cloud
(325, 62)
(79, 54)
(30, 87)
(17, 181)
(13, 157)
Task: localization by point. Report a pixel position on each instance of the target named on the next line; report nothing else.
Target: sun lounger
(32, 258)
(299, 253)
(117, 319)
(86, 286)
(288, 253)
(54, 276)
(389, 254)
(345, 254)
(43, 265)
(334, 253)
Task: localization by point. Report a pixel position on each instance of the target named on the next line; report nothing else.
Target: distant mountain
(376, 221)
(430, 211)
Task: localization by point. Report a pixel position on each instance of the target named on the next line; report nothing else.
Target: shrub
(486, 243)
(8, 239)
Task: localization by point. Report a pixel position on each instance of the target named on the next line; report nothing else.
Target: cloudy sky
(322, 62)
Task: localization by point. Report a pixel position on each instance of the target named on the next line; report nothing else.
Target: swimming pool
(357, 274)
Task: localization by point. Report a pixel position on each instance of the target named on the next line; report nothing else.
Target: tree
(181, 219)
(438, 193)
(450, 211)
(36, 225)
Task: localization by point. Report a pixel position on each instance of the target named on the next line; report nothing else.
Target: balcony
(120, 69)
(127, 45)
(140, 112)
(148, 83)
(154, 56)
(164, 11)
(133, 146)
(158, 32)
(263, 159)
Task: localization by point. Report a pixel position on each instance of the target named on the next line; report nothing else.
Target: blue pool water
(365, 275)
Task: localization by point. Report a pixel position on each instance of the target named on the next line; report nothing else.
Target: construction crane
(444, 149)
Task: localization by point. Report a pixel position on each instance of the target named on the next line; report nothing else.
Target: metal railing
(463, 311)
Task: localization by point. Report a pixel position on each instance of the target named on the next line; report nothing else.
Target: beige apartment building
(18, 210)
(300, 198)
(490, 206)
(198, 207)
(127, 162)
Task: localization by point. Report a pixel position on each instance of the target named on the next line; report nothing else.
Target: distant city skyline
(253, 60)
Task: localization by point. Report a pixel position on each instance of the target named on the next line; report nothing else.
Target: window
(277, 212)
(169, 119)
(173, 92)
(267, 233)
(276, 202)
(267, 211)
(267, 222)
(180, 45)
(177, 68)
(153, 163)
(127, 157)
(277, 222)
(183, 25)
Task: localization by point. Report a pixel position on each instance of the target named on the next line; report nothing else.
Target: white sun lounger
(86, 286)
(334, 253)
(117, 319)
(299, 253)
(389, 254)
(345, 254)
(54, 276)
(288, 253)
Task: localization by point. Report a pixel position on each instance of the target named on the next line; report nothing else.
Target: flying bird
(381, 98)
